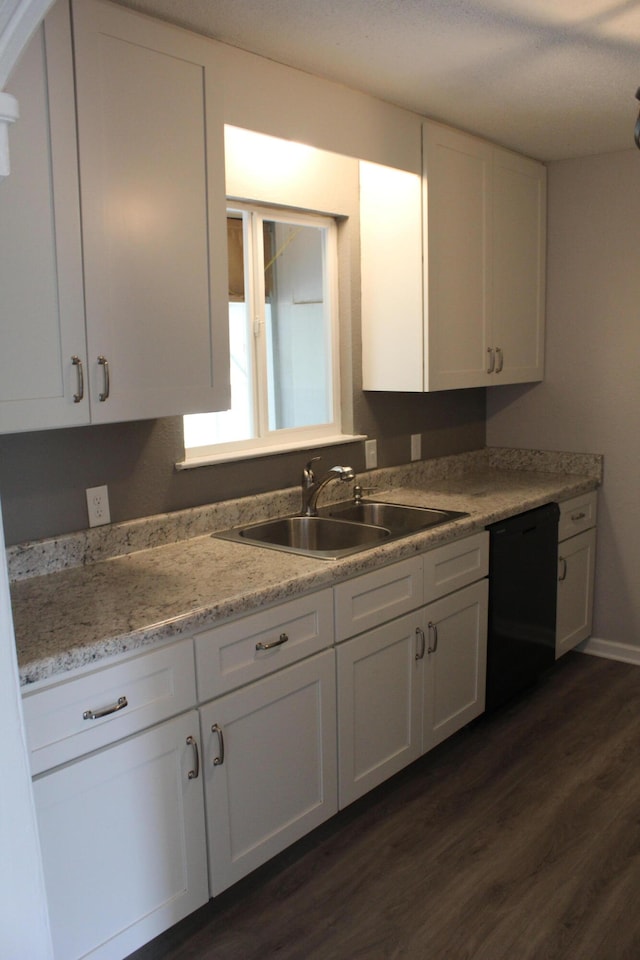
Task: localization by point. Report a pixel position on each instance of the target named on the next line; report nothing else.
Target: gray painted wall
(590, 398)
(43, 475)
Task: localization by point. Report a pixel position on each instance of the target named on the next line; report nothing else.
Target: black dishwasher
(522, 601)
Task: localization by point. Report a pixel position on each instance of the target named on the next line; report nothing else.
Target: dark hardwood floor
(518, 839)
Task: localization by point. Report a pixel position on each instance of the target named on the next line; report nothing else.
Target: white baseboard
(597, 647)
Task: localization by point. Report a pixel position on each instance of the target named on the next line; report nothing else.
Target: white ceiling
(550, 78)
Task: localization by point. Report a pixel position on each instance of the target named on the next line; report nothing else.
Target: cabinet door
(519, 246)
(456, 662)
(379, 705)
(576, 571)
(151, 148)
(42, 327)
(270, 766)
(123, 842)
(457, 184)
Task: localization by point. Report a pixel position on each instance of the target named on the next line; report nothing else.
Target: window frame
(280, 440)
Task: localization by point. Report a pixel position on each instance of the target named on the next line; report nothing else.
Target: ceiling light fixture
(636, 132)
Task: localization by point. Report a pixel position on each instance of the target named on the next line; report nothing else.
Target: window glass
(282, 331)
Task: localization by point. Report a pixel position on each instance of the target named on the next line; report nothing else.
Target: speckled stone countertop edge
(61, 626)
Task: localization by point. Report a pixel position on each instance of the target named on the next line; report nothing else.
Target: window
(283, 335)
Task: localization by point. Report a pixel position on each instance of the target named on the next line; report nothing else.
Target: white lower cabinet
(269, 756)
(123, 841)
(456, 662)
(146, 805)
(379, 705)
(576, 571)
(406, 685)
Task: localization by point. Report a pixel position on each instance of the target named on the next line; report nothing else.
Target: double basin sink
(341, 529)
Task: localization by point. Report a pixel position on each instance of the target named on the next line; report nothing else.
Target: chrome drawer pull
(492, 360)
(219, 760)
(423, 644)
(104, 363)
(283, 638)
(77, 362)
(563, 575)
(105, 711)
(500, 363)
(578, 516)
(195, 773)
(433, 628)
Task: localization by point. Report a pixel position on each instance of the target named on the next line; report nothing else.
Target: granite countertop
(95, 608)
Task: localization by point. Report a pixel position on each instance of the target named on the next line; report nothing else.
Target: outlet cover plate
(98, 506)
(371, 454)
(416, 446)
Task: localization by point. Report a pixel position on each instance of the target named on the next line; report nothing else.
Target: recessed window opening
(283, 335)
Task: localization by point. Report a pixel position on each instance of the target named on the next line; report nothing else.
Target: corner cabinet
(453, 267)
(146, 334)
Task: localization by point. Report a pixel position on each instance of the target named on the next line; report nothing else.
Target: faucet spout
(311, 485)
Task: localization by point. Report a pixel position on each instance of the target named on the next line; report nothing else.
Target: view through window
(282, 333)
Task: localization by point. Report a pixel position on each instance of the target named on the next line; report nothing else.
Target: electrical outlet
(416, 446)
(98, 506)
(371, 454)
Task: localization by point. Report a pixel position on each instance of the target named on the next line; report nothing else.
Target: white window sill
(190, 463)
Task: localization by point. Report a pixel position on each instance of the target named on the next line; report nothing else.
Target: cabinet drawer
(247, 649)
(373, 598)
(62, 721)
(454, 565)
(577, 514)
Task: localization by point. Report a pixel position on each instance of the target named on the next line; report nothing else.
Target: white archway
(24, 925)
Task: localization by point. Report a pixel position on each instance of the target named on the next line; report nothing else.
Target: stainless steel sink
(342, 529)
(399, 519)
(322, 537)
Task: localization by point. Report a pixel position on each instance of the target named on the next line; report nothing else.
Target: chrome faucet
(311, 486)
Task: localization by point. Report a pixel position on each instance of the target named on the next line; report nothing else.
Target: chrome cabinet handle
(500, 363)
(578, 516)
(563, 574)
(77, 362)
(283, 638)
(121, 703)
(492, 360)
(195, 773)
(433, 629)
(423, 643)
(104, 363)
(219, 760)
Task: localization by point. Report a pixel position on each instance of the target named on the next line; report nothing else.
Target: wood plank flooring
(517, 839)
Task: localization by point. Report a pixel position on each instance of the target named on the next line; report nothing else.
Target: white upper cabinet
(151, 148)
(457, 237)
(519, 259)
(147, 336)
(42, 327)
(485, 232)
(453, 267)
